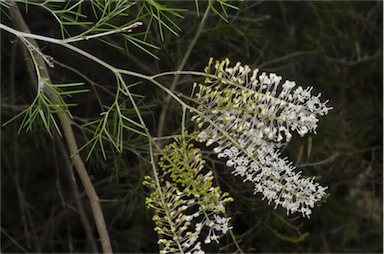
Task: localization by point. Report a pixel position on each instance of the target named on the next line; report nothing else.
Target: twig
(92, 83)
(119, 30)
(13, 240)
(16, 145)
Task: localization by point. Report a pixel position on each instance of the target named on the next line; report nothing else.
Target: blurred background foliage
(336, 46)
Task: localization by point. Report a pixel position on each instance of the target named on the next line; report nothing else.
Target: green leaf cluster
(110, 128)
(44, 107)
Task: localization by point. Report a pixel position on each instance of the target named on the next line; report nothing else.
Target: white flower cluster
(175, 227)
(188, 206)
(248, 117)
(182, 218)
(247, 101)
(210, 219)
(216, 225)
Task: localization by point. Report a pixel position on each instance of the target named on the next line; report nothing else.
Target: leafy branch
(67, 129)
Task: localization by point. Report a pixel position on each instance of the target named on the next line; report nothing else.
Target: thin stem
(13, 240)
(197, 73)
(119, 30)
(102, 63)
(151, 154)
(167, 100)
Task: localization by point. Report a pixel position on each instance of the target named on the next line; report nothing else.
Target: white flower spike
(253, 116)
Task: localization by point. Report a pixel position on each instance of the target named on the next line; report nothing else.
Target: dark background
(334, 46)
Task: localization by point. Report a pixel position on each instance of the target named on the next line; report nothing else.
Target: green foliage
(45, 108)
(162, 15)
(223, 4)
(111, 126)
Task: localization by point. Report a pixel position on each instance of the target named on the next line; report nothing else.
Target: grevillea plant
(246, 117)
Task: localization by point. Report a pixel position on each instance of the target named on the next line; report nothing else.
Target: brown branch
(77, 197)
(70, 138)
